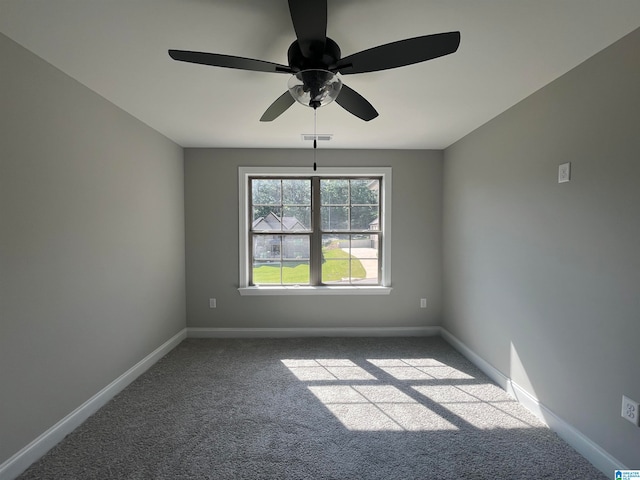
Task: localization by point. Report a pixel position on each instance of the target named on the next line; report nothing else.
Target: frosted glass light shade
(314, 88)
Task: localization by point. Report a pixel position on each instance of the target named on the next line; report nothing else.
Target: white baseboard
(488, 369)
(195, 332)
(595, 454)
(20, 461)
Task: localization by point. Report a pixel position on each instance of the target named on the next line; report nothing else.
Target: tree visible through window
(315, 230)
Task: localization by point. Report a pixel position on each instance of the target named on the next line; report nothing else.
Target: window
(321, 233)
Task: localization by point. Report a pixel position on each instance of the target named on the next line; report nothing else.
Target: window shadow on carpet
(406, 394)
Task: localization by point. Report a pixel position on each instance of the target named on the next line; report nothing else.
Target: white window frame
(281, 172)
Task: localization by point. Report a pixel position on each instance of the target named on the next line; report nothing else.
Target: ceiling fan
(314, 60)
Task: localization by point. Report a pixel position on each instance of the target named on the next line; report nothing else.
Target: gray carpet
(320, 408)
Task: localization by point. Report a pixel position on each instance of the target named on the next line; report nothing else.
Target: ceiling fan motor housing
(325, 61)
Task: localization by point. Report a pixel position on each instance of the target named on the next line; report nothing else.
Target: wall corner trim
(599, 458)
(20, 461)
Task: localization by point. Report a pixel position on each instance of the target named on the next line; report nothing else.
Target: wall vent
(322, 137)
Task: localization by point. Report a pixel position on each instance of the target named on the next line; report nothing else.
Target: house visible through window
(320, 230)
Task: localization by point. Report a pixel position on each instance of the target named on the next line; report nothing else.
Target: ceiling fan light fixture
(313, 58)
(314, 88)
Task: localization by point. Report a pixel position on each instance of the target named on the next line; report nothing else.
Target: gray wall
(91, 244)
(542, 279)
(211, 205)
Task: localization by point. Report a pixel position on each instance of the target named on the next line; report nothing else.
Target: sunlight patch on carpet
(418, 369)
(401, 394)
(476, 407)
(378, 408)
(327, 369)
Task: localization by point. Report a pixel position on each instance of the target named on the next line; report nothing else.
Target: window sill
(306, 290)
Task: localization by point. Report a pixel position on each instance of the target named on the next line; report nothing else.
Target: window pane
(296, 192)
(350, 259)
(279, 260)
(266, 273)
(267, 247)
(334, 218)
(365, 191)
(266, 259)
(295, 273)
(295, 248)
(363, 217)
(266, 219)
(334, 192)
(296, 218)
(335, 260)
(364, 259)
(266, 192)
(295, 264)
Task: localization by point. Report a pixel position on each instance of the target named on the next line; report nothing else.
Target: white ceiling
(509, 49)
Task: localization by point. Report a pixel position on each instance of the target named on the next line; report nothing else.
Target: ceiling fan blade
(310, 23)
(400, 53)
(228, 61)
(356, 104)
(278, 107)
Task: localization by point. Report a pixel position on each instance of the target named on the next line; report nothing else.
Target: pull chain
(315, 135)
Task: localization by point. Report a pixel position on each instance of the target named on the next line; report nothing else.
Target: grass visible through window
(298, 273)
(335, 271)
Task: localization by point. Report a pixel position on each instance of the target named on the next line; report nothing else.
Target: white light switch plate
(564, 172)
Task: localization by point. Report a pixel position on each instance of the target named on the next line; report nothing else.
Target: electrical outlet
(630, 410)
(564, 172)
(212, 303)
(423, 303)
